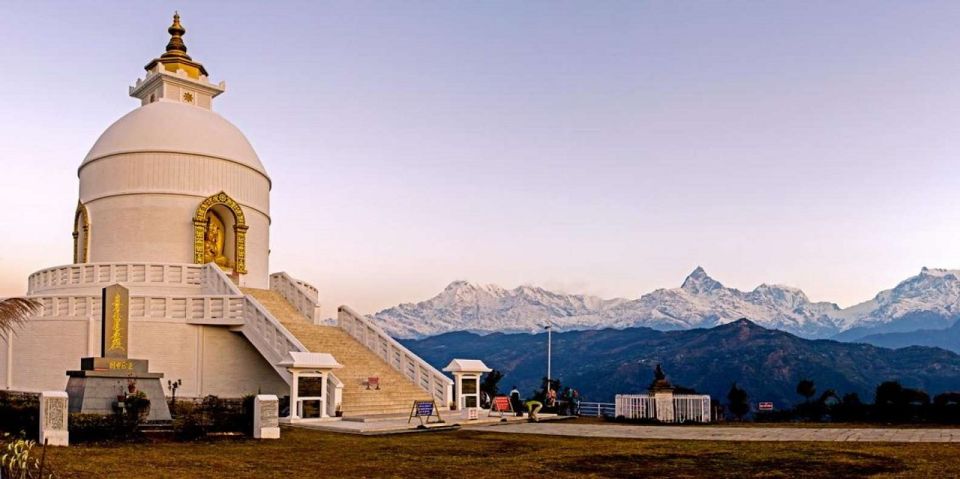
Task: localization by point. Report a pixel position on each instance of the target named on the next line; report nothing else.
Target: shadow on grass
(828, 465)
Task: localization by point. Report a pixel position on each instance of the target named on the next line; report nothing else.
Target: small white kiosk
(308, 387)
(466, 379)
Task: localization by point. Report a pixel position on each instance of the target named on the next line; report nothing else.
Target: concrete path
(393, 424)
(721, 433)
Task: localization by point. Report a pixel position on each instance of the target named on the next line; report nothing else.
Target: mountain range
(927, 301)
(767, 363)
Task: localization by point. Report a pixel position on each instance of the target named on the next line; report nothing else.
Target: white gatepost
(266, 417)
(466, 377)
(308, 384)
(53, 418)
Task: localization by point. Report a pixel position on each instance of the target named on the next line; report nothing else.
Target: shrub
(189, 424)
(138, 407)
(96, 427)
(20, 414)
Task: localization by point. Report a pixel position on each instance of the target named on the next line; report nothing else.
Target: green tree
(807, 389)
(490, 383)
(888, 394)
(738, 400)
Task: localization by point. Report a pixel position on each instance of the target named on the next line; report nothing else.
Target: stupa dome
(170, 126)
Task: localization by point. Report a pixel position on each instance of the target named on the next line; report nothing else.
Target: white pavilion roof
(467, 366)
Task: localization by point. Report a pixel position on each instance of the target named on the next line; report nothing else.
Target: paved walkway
(721, 433)
(393, 424)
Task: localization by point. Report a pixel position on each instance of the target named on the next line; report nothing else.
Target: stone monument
(103, 382)
(266, 417)
(662, 392)
(53, 418)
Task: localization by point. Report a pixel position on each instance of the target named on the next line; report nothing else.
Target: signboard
(501, 404)
(765, 406)
(310, 386)
(115, 319)
(424, 409)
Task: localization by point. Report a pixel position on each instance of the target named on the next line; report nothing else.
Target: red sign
(765, 406)
(501, 404)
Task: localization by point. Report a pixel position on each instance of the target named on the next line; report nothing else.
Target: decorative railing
(398, 357)
(597, 409)
(213, 310)
(664, 408)
(104, 274)
(302, 298)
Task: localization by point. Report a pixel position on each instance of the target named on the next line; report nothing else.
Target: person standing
(516, 402)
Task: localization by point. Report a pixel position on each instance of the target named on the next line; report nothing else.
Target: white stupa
(174, 204)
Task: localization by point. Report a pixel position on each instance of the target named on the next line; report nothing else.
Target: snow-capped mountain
(928, 300)
(464, 306)
(702, 302)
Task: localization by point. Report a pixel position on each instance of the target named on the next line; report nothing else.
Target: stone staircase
(396, 393)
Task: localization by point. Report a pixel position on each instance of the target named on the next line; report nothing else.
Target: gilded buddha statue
(213, 243)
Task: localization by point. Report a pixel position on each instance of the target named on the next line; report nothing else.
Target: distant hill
(948, 338)
(929, 300)
(767, 363)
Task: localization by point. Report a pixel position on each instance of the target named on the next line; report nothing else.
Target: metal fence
(597, 409)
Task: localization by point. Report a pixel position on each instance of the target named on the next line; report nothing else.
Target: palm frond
(14, 311)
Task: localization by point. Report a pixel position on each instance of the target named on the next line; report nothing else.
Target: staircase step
(396, 393)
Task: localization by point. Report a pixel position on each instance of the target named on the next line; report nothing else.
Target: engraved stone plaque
(269, 416)
(53, 418)
(115, 322)
(55, 415)
(266, 421)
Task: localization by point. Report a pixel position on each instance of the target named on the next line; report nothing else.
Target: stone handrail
(104, 274)
(213, 310)
(398, 357)
(303, 300)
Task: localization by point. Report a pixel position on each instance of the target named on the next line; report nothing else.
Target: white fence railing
(664, 408)
(105, 274)
(303, 299)
(213, 310)
(597, 409)
(398, 357)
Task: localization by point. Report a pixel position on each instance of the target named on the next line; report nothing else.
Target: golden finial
(176, 48)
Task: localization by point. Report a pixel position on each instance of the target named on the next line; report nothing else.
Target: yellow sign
(121, 365)
(116, 340)
(115, 317)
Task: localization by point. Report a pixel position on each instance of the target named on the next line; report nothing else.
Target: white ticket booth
(308, 386)
(466, 380)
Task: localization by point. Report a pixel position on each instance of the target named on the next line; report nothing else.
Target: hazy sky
(591, 147)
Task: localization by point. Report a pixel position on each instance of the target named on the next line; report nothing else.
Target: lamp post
(549, 329)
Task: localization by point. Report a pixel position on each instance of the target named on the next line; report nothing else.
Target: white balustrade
(104, 274)
(686, 407)
(302, 296)
(400, 358)
(212, 310)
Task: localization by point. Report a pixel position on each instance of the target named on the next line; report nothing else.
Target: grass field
(303, 453)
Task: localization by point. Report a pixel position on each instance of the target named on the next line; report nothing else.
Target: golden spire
(176, 48)
(176, 58)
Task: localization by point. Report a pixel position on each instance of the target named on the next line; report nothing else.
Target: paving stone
(721, 433)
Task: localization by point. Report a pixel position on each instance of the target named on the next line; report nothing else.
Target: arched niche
(221, 208)
(81, 234)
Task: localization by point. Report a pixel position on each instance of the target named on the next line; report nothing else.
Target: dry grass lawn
(303, 453)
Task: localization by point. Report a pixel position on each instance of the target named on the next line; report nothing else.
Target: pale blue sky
(595, 147)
